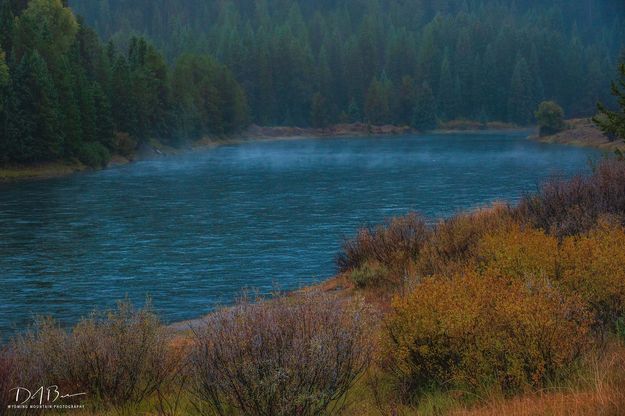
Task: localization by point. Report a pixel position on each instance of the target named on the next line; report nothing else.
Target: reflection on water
(193, 231)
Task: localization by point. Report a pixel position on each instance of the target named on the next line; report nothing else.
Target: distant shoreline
(154, 149)
(582, 132)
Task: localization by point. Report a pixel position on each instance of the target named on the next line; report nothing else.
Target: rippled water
(192, 231)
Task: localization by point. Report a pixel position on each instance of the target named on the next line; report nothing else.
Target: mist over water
(192, 231)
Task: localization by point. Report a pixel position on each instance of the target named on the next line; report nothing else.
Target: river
(192, 231)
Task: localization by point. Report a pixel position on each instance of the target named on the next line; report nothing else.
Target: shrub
(395, 242)
(370, 274)
(289, 356)
(550, 118)
(565, 208)
(117, 358)
(453, 242)
(94, 155)
(592, 266)
(124, 145)
(476, 333)
(518, 253)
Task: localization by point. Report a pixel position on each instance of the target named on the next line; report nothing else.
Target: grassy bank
(40, 171)
(514, 310)
(584, 133)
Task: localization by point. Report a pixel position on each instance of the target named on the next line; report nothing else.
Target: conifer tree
(35, 121)
(612, 123)
(7, 26)
(448, 91)
(377, 107)
(353, 112)
(424, 116)
(319, 114)
(521, 103)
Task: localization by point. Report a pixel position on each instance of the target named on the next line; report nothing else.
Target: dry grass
(39, 171)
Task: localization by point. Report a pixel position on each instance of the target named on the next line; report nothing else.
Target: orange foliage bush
(475, 333)
(592, 265)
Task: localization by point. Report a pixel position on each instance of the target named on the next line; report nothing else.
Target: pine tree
(124, 109)
(319, 114)
(353, 112)
(405, 100)
(104, 124)
(448, 91)
(612, 123)
(7, 26)
(521, 103)
(4, 85)
(377, 106)
(424, 115)
(35, 121)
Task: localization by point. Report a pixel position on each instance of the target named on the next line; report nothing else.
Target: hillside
(388, 62)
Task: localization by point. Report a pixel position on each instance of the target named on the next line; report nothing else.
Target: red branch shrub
(293, 356)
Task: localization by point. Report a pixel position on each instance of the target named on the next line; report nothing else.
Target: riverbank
(152, 149)
(582, 132)
(40, 171)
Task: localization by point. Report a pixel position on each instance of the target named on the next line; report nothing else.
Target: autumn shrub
(118, 358)
(479, 333)
(570, 207)
(591, 266)
(289, 356)
(393, 243)
(453, 242)
(518, 252)
(370, 274)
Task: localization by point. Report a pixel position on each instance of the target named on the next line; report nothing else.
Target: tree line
(317, 62)
(65, 94)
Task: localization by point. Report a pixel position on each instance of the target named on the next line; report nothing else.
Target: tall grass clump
(390, 244)
(119, 358)
(478, 334)
(570, 207)
(288, 356)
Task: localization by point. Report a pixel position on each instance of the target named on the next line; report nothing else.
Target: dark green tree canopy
(470, 52)
(550, 117)
(64, 95)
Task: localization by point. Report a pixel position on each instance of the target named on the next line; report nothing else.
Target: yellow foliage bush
(518, 252)
(593, 266)
(477, 333)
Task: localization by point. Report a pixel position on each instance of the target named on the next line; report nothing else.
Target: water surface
(192, 231)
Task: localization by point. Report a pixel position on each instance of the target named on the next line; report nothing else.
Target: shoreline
(153, 149)
(581, 132)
